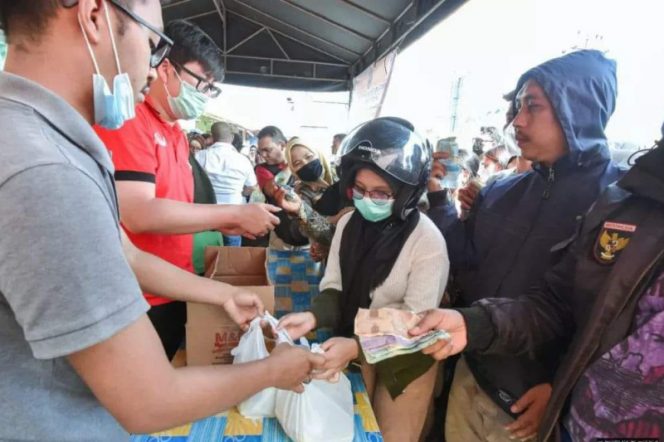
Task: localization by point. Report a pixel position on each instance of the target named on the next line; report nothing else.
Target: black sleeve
(289, 231)
(458, 234)
(523, 324)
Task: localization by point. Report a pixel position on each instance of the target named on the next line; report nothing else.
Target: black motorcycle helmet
(390, 146)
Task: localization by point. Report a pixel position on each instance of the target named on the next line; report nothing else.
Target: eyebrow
(530, 96)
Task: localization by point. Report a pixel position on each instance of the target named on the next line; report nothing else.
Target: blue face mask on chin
(373, 212)
(112, 108)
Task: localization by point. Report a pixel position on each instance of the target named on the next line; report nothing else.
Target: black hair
(193, 44)
(237, 141)
(221, 132)
(273, 132)
(339, 137)
(30, 17)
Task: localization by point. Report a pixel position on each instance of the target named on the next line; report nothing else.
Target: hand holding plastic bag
(252, 348)
(323, 413)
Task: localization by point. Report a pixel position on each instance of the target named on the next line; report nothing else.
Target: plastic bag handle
(282, 335)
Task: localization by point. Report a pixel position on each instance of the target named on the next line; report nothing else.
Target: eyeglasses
(203, 85)
(377, 196)
(159, 52)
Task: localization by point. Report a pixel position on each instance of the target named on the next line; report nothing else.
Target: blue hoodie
(507, 243)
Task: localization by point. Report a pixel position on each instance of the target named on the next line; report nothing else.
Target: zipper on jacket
(549, 184)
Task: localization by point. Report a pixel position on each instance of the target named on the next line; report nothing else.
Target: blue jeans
(232, 241)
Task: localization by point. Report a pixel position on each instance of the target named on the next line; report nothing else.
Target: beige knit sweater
(419, 276)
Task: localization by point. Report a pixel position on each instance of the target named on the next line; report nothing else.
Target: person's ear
(164, 71)
(91, 18)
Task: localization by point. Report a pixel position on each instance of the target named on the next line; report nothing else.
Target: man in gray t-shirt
(79, 360)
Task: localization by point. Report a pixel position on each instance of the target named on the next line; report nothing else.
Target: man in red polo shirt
(154, 178)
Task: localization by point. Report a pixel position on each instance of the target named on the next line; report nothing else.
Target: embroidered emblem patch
(612, 240)
(160, 140)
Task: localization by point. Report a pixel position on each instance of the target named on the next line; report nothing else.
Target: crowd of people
(540, 257)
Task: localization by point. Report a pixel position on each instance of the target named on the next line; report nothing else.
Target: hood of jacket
(582, 88)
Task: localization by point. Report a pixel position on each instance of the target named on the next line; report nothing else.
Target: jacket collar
(646, 178)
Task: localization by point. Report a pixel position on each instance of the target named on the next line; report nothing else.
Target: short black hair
(273, 132)
(222, 132)
(193, 44)
(237, 141)
(339, 137)
(31, 17)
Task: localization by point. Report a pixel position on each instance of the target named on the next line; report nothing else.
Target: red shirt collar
(150, 105)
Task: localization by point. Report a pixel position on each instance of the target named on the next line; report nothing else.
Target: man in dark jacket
(503, 248)
(603, 304)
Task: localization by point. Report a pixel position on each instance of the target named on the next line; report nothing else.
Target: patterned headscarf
(328, 176)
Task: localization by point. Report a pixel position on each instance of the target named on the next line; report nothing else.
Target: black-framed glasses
(158, 52)
(202, 84)
(378, 197)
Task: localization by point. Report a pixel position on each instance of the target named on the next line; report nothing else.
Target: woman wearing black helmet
(384, 254)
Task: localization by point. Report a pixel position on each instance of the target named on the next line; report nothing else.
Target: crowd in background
(539, 256)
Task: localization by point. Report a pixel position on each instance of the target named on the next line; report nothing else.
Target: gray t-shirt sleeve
(62, 266)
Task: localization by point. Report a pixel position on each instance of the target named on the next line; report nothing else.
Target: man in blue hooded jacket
(510, 237)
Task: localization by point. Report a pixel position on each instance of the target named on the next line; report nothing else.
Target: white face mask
(112, 108)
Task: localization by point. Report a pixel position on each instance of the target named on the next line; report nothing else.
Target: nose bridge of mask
(189, 104)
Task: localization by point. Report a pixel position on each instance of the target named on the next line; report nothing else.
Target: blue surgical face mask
(373, 212)
(190, 104)
(112, 108)
(3, 49)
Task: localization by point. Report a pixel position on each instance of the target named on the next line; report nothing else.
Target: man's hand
(450, 321)
(437, 172)
(468, 195)
(292, 366)
(297, 324)
(338, 354)
(289, 201)
(532, 404)
(253, 220)
(243, 306)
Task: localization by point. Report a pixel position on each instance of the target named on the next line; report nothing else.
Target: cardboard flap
(238, 265)
(209, 257)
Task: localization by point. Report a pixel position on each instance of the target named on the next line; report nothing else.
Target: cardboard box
(211, 334)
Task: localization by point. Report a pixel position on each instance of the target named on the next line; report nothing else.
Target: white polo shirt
(229, 171)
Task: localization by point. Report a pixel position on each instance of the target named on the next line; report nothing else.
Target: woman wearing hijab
(383, 254)
(310, 202)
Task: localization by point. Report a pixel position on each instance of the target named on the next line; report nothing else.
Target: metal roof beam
(322, 51)
(308, 34)
(411, 28)
(367, 12)
(319, 63)
(318, 16)
(336, 80)
(283, 51)
(244, 40)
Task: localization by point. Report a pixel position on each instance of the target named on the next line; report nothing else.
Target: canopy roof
(308, 44)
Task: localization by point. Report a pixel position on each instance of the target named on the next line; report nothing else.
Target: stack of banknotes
(384, 333)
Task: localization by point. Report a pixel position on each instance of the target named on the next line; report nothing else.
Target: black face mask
(311, 172)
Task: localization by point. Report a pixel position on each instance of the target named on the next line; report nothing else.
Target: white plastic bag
(252, 348)
(323, 413)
